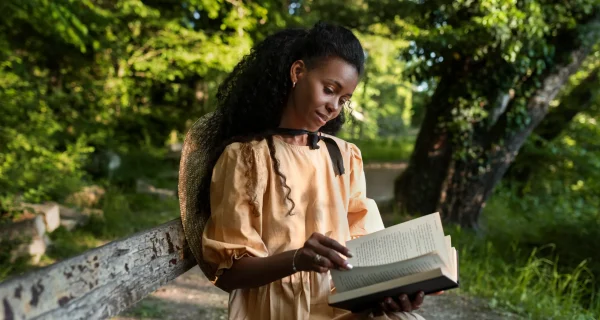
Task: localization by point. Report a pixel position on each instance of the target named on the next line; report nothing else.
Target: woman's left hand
(401, 303)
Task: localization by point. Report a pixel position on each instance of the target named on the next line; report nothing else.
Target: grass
(386, 150)
(147, 309)
(522, 278)
(532, 283)
(124, 212)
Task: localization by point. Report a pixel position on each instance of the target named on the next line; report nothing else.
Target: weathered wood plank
(101, 282)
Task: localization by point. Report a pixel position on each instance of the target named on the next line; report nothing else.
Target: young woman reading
(282, 193)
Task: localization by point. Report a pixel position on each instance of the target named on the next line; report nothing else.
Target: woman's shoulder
(256, 147)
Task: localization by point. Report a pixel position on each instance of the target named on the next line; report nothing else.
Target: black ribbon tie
(313, 142)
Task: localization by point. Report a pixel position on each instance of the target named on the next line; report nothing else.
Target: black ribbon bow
(313, 142)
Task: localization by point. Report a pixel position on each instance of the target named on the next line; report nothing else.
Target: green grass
(532, 258)
(147, 309)
(523, 277)
(386, 150)
(530, 283)
(124, 214)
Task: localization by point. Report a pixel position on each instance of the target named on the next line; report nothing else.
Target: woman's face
(319, 93)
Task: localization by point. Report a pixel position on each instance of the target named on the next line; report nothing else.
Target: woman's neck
(287, 121)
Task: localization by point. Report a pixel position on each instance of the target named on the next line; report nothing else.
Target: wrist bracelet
(294, 261)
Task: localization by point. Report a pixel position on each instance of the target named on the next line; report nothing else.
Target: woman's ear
(297, 71)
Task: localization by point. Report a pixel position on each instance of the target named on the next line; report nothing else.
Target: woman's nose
(332, 107)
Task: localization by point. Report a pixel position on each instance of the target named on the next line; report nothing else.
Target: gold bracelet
(294, 261)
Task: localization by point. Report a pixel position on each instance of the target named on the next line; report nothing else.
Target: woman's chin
(314, 128)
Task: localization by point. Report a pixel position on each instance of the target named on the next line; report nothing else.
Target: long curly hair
(251, 99)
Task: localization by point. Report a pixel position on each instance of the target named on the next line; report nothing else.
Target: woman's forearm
(252, 272)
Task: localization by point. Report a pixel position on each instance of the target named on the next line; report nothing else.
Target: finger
(418, 301)
(318, 265)
(323, 261)
(405, 303)
(393, 305)
(321, 269)
(333, 257)
(330, 243)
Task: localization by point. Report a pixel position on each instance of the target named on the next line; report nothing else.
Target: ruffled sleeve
(363, 213)
(234, 229)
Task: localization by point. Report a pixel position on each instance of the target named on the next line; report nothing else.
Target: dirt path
(380, 180)
(192, 296)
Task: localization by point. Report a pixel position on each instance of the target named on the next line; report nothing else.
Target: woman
(285, 195)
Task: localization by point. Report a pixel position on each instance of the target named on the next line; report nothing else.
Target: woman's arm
(253, 272)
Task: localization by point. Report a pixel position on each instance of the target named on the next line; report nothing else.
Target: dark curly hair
(250, 101)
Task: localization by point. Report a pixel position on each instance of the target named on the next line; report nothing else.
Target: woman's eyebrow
(336, 82)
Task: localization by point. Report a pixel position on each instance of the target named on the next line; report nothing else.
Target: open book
(406, 258)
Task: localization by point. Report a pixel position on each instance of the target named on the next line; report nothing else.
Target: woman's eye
(328, 90)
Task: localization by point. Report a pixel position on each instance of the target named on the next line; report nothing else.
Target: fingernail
(388, 300)
(403, 297)
(421, 294)
(349, 266)
(350, 254)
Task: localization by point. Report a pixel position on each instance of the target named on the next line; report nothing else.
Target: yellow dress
(250, 218)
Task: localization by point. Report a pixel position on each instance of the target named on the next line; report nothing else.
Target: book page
(400, 242)
(359, 277)
(454, 264)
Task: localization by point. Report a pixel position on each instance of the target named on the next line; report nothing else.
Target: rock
(69, 224)
(143, 186)
(36, 249)
(72, 218)
(29, 237)
(50, 213)
(87, 197)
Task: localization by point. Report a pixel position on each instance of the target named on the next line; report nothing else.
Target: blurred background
(483, 110)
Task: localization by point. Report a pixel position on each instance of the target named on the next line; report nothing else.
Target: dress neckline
(295, 146)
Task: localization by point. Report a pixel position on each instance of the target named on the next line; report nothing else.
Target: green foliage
(383, 100)
(555, 209)
(478, 54)
(147, 309)
(127, 213)
(533, 283)
(80, 78)
(386, 150)
(8, 265)
(123, 215)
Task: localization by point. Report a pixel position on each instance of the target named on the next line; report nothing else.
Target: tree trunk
(580, 99)
(459, 189)
(419, 187)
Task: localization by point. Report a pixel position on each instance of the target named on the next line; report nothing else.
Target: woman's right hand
(320, 254)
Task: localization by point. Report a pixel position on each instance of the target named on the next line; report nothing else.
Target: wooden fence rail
(101, 282)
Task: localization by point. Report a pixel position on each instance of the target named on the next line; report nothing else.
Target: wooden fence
(101, 282)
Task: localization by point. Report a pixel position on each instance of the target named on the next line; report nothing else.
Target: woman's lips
(322, 118)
